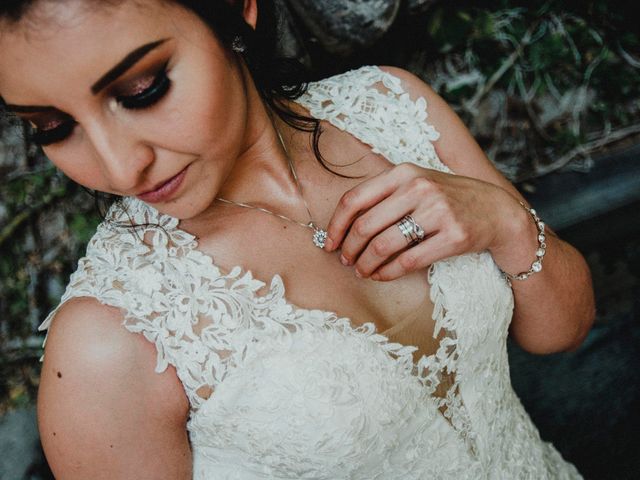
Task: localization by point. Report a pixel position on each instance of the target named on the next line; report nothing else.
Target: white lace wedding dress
(282, 392)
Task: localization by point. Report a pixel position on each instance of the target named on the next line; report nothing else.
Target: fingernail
(358, 274)
(344, 261)
(328, 244)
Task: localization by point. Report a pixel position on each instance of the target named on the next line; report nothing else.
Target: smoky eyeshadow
(52, 135)
(149, 96)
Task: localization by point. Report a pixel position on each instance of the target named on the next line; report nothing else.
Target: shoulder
(411, 82)
(100, 401)
(84, 325)
(89, 338)
(439, 113)
(456, 146)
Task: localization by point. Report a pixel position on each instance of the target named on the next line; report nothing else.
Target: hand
(458, 214)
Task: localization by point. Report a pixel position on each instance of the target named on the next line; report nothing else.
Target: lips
(165, 190)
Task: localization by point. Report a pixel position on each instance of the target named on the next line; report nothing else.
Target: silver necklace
(319, 234)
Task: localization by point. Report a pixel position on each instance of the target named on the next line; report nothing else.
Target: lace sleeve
(372, 105)
(87, 281)
(113, 262)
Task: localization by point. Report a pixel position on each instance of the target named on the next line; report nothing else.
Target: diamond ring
(412, 232)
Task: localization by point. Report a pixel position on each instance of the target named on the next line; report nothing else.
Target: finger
(353, 202)
(384, 246)
(415, 258)
(361, 198)
(378, 218)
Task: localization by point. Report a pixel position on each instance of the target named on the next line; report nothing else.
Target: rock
(419, 6)
(342, 26)
(290, 44)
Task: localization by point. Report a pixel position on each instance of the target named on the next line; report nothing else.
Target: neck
(260, 175)
(263, 172)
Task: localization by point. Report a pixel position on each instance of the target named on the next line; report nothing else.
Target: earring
(238, 45)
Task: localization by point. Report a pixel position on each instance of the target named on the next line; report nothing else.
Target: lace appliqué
(373, 107)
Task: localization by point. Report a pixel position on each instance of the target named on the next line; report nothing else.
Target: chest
(314, 278)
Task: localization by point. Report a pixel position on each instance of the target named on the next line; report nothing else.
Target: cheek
(206, 121)
(209, 106)
(191, 123)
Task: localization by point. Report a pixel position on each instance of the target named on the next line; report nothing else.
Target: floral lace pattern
(278, 391)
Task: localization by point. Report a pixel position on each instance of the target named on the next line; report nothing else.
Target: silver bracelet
(536, 266)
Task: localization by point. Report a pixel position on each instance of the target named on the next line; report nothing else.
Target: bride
(295, 280)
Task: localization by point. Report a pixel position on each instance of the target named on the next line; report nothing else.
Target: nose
(123, 154)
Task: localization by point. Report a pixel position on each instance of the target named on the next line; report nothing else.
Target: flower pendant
(319, 235)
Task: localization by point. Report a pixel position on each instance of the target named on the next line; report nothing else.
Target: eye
(58, 133)
(148, 95)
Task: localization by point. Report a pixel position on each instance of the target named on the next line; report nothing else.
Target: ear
(250, 12)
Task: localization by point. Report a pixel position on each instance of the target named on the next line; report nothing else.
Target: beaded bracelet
(536, 266)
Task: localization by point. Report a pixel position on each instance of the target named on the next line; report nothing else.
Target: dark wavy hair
(277, 78)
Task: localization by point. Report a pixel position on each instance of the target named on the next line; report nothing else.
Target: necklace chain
(319, 235)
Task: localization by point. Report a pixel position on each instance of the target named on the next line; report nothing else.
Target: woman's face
(130, 98)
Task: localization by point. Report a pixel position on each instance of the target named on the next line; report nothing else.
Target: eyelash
(149, 96)
(53, 135)
(145, 99)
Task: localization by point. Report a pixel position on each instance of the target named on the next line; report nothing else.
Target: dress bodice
(283, 391)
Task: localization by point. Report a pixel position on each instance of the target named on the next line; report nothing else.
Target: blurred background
(551, 91)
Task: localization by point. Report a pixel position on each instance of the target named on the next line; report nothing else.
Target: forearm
(554, 308)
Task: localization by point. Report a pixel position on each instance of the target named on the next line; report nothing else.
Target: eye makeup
(52, 131)
(146, 92)
(140, 94)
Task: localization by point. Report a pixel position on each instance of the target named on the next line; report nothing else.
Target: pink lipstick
(165, 191)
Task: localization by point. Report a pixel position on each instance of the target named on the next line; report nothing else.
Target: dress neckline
(428, 369)
(179, 242)
(276, 286)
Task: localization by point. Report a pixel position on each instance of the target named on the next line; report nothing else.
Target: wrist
(521, 254)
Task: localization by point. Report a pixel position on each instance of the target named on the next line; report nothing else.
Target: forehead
(58, 44)
(44, 17)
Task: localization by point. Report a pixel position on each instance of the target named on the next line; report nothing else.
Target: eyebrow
(28, 109)
(108, 78)
(125, 64)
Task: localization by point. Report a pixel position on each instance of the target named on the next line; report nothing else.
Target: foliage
(44, 226)
(542, 85)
